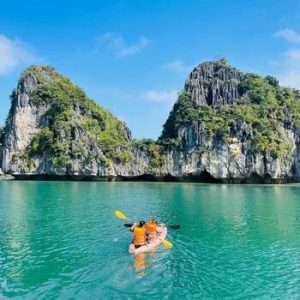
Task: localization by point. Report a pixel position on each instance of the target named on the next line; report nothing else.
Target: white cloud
(168, 96)
(178, 66)
(293, 55)
(288, 71)
(118, 44)
(290, 77)
(288, 34)
(12, 54)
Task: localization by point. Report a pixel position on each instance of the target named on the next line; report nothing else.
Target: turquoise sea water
(61, 240)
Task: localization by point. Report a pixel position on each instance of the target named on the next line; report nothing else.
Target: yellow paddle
(167, 244)
(122, 216)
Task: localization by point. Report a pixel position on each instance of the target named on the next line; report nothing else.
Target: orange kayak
(161, 235)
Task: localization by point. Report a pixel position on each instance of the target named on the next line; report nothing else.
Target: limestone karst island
(226, 126)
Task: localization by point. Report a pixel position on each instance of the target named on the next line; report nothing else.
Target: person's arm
(132, 227)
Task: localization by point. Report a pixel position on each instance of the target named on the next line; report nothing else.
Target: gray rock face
(211, 84)
(6, 177)
(234, 160)
(22, 121)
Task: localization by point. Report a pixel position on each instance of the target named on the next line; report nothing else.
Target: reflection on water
(139, 262)
(147, 260)
(61, 240)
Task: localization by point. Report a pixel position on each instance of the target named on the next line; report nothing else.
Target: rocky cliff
(235, 126)
(53, 128)
(227, 126)
(214, 83)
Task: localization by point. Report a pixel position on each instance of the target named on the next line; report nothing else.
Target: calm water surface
(61, 240)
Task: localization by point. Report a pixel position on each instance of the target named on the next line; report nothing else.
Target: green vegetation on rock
(143, 142)
(69, 112)
(265, 109)
(222, 63)
(156, 156)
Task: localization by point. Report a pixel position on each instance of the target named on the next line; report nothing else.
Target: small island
(226, 126)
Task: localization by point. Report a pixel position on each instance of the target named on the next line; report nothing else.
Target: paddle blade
(128, 224)
(120, 215)
(167, 244)
(174, 226)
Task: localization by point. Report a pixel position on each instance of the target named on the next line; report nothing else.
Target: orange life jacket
(139, 235)
(151, 227)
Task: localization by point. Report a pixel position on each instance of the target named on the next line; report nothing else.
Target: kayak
(161, 235)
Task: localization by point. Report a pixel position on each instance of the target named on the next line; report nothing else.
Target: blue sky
(133, 56)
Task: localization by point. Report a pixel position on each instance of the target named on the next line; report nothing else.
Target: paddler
(139, 234)
(151, 229)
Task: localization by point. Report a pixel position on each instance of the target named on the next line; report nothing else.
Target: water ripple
(62, 241)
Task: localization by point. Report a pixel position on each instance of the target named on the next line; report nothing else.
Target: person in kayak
(139, 234)
(151, 229)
